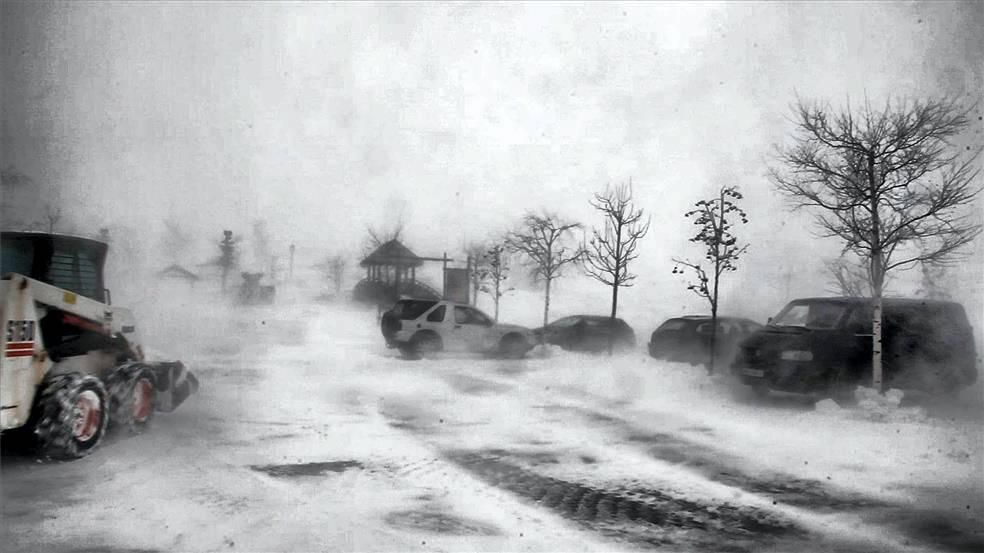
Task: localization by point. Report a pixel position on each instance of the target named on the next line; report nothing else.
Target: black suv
(821, 344)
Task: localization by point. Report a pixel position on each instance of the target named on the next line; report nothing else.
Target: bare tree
(543, 240)
(495, 273)
(333, 267)
(52, 215)
(715, 219)
(262, 251)
(933, 284)
(850, 279)
(12, 211)
(888, 183)
(175, 240)
(228, 256)
(611, 249)
(377, 236)
(477, 267)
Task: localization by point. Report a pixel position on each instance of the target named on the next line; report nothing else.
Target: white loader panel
(23, 363)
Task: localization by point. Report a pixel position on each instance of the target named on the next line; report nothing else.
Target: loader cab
(69, 262)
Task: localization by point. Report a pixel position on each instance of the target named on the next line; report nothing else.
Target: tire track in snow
(645, 518)
(648, 518)
(939, 529)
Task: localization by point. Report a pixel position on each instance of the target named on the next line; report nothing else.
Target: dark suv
(821, 344)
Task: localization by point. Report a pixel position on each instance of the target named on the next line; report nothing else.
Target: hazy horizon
(321, 119)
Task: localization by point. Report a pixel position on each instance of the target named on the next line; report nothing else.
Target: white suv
(419, 327)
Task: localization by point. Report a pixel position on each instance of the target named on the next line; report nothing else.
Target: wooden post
(396, 280)
(444, 275)
(290, 270)
(468, 267)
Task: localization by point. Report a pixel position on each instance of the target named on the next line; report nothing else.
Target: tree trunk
(718, 230)
(546, 310)
(473, 271)
(876, 346)
(611, 326)
(877, 280)
(714, 324)
(498, 296)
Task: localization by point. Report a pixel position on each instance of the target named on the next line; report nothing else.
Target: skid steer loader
(72, 362)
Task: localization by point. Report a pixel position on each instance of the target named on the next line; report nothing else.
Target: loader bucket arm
(174, 383)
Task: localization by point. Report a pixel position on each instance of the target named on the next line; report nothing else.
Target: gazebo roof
(392, 253)
(177, 271)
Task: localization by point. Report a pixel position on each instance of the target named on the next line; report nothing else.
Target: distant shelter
(178, 272)
(391, 271)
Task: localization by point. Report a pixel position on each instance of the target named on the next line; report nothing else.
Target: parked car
(418, 327)
(588, 333)
(688, 339)
(825, 344)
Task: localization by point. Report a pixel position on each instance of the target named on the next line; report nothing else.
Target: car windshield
(566, 321)
(815, 315)
(672, 324)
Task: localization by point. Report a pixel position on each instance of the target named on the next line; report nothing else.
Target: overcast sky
(322, 118)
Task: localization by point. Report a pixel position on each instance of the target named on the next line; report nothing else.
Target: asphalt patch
(475, 386)
(945, 531)
(438, 522)
(319, 468)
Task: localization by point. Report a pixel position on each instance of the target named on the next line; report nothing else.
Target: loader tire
(73, 416)
(132, 399)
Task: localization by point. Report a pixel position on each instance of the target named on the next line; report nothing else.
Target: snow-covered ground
(309, 435)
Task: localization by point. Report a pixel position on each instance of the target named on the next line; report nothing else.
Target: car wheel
(408, 352)
(513, 346)
(624, 345)
(839, 385)
(426, 344)
(761, 391)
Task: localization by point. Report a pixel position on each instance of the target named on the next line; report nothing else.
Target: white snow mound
(876, 406)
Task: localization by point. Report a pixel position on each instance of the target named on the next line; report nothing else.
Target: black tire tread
(55, 405)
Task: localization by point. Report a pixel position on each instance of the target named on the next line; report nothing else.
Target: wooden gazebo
(176, 271)
(391, 270)
(392, 263)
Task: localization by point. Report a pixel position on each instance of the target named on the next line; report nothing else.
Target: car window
(818, 315)
(860, 320)
(409, 310)
(673, 324)
(750, 327)
(565, 322)
(469, 316)
(437, 315)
